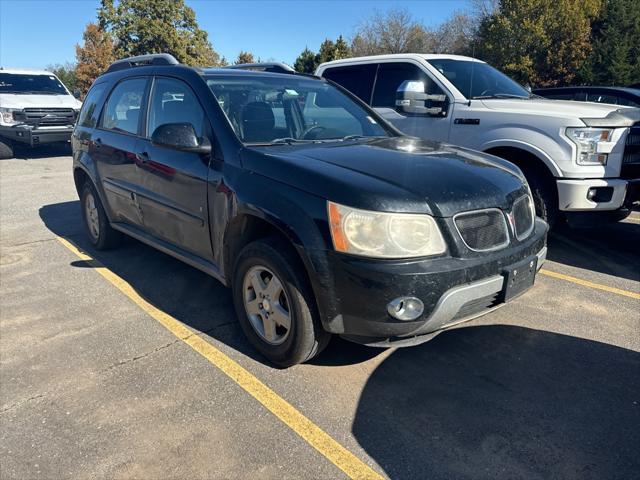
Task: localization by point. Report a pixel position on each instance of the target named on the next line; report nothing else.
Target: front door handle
(97, 142)
(142, 158)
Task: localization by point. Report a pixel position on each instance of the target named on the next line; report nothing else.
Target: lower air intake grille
(483, 230)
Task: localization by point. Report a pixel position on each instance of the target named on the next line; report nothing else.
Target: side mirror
(411, 99)
(180, 136)
(77, 94)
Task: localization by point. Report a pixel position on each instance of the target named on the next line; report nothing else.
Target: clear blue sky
(36, 33)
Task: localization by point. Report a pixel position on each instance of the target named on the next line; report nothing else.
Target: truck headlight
(6, 116)
(383, 235)
(591, 144)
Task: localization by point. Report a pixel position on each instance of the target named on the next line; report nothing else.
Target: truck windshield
(29, 83)
(479, 80)
(275, 109)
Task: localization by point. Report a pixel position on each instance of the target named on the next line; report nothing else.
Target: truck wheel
(6, 148)
(274, 304)
(545, 195)
(96, 224)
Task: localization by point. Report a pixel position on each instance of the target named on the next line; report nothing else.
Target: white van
(35, 108)
(579, 158)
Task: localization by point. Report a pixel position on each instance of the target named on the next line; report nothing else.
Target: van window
(89, 113)
(122, 111)
(358, 79)
(173, 101)
(390, 77)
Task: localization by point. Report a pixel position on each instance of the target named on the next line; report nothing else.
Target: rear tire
(268, 262)
(6, 149)
(101, 235)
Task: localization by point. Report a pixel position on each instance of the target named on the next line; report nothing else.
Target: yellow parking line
(586, 283)
(287, 413)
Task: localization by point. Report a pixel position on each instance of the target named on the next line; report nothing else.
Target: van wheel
(545, 195)
(96, 224)
(274, 304)
(6, 148)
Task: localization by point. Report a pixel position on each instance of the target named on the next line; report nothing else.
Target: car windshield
(279, 109)
(479, 80)
(29, 83)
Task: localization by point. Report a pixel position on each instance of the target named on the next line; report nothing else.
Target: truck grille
(47, 117)
(523, 217)
(631, 157)
(483, 230)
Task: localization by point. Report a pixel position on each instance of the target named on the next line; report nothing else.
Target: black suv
(319, 215)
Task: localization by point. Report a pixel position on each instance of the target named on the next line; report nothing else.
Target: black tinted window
(31, 83)
(122, 111)
(602, 98)
(173, 101)
(89, 113)
(389, 78)
(358, 79)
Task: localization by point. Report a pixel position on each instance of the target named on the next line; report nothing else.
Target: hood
(12, 100)
(399, 174)
(552, 108)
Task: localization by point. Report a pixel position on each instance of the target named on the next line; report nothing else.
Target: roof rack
(271, 67)
(143, 60)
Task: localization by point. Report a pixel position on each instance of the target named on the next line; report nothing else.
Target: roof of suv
(404, 56)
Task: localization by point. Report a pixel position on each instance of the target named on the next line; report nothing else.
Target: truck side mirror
(77, 94)
(411, 99)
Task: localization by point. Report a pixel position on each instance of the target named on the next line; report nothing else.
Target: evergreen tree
(306, 62)
(157, 26)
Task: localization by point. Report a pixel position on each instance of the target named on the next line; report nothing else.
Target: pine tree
(306, 62)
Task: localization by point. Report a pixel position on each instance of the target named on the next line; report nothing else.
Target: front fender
(536, 144)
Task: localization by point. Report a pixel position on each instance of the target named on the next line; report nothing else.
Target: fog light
(600, 194)
(405, 308)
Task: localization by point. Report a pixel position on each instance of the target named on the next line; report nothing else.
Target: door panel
(173, 195)
(114, 145)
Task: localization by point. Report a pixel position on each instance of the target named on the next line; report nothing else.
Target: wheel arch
(514, 148)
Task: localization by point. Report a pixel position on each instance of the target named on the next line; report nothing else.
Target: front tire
(101, 235)
(274, 304)
(545, 195)
(6, 149)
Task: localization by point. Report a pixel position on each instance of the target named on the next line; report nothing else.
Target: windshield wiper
(288, 141)
(500, 95)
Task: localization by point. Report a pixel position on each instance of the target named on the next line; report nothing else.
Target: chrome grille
(631, 156)
(47, 116)
(523, 217)
(483, 230)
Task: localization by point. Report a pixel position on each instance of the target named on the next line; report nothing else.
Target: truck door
(429, 126)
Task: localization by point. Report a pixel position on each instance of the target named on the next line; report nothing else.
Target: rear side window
(602, 98)
(389, 78)
(358, 79)
(122, 110)
(89, 112)
(560, 96)
(173, 101)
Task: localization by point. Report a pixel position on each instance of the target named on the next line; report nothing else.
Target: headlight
(591, 144)
(383, 235)
(6, 116)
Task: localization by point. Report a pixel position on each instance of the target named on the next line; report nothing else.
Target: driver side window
(391, 75)
(173, 101)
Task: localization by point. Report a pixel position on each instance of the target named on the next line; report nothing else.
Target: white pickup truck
(35, 108)
(582, 159)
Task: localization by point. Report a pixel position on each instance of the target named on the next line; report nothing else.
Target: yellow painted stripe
(287, 413)
(586, 283)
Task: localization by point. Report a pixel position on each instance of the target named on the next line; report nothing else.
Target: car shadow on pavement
(612, 249)
(503, 402)
(187, 294)
(42, 151)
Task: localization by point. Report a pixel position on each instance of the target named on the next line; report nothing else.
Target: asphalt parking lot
(99, 379)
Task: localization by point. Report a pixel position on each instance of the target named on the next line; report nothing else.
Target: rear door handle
(97, 142)
(142, 158)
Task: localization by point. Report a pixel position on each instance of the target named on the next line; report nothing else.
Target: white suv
(35, 108)
(578, 157)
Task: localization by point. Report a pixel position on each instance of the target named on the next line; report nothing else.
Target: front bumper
(573, 194)
(453, 290)
(36, 136)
